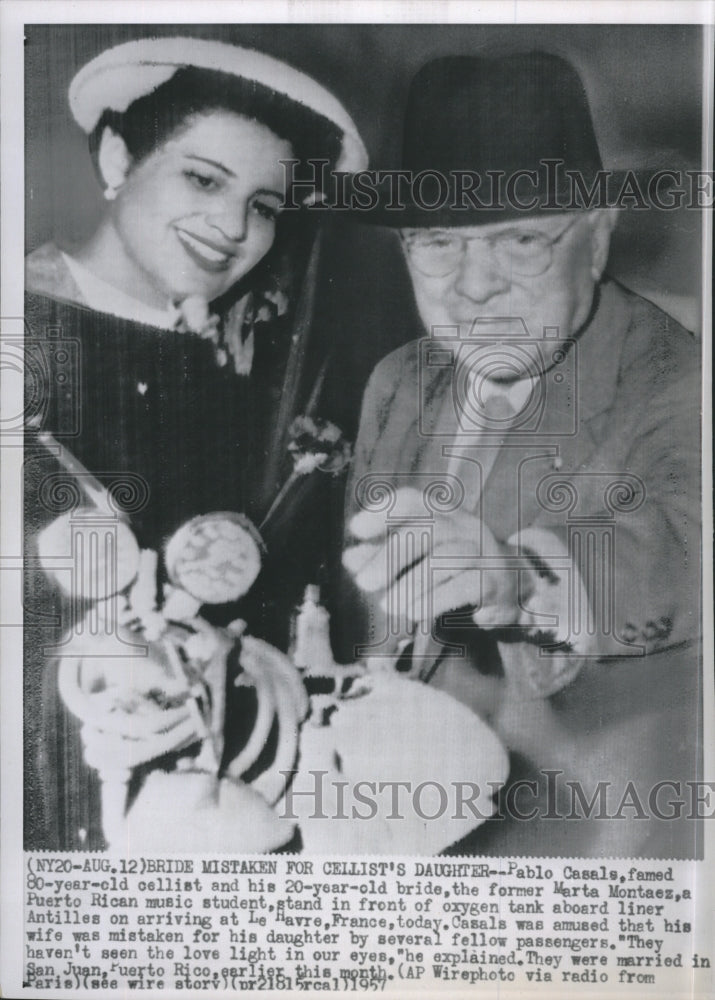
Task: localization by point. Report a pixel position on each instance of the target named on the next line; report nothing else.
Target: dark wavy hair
(151, 120)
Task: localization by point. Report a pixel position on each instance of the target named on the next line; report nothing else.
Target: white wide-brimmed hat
(120, 75)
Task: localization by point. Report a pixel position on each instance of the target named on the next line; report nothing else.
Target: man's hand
(423, 569)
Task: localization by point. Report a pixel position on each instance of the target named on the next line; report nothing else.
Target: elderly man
(523, 512)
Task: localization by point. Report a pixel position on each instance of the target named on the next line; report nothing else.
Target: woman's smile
(205, 253)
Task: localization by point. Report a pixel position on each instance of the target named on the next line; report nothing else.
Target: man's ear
(113, 159)
(603, 222)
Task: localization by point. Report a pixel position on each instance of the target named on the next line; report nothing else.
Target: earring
(111, 192)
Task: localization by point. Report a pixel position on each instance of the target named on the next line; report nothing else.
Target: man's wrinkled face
(542, 270)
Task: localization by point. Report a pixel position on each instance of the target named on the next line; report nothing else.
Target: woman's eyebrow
(278, 195)
(212, 163)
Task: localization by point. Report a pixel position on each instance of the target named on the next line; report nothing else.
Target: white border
(361, 11)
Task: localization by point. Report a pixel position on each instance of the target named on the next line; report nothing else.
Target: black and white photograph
(361, 418)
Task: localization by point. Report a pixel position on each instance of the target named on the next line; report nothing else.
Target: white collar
(100, 295)
(515, 393)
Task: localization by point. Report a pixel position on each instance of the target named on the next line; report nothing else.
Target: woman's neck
(104, 255)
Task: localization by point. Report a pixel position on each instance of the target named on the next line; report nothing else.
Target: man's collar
(598, 347)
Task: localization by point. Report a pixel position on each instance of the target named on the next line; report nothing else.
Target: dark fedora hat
(490, 139)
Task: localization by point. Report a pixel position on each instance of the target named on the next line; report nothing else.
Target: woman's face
(200, 211)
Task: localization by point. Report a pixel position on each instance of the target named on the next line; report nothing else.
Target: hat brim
(120, 75)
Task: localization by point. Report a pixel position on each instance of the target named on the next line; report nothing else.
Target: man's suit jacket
(595, 488)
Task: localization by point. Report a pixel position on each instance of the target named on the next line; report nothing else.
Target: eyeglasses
(525, 252)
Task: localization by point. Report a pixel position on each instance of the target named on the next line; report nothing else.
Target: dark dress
(135, 401)
(171, 434)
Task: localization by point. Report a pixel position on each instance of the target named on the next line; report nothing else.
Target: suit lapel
(409, 418)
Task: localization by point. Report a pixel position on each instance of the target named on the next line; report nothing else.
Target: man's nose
(479, 277)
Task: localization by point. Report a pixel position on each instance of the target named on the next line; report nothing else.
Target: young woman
(160, 345)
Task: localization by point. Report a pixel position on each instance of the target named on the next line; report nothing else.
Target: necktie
(495, 408)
